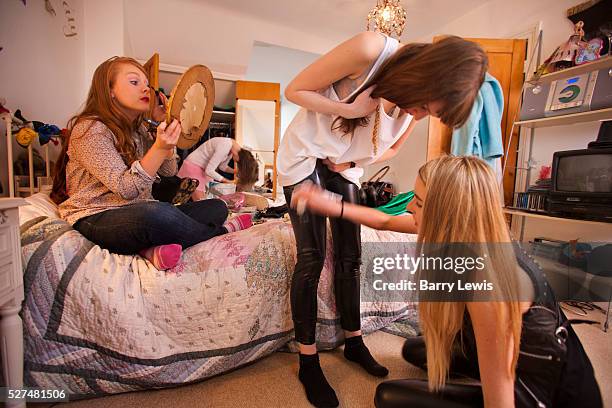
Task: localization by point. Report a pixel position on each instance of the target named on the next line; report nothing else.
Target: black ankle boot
(318, 391)
(355, 350)
(414, 351)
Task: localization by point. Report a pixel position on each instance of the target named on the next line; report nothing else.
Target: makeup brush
(152, 124)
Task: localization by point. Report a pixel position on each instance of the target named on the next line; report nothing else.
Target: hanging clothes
(481, 135)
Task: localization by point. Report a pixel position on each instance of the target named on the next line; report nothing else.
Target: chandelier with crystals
(388, 17)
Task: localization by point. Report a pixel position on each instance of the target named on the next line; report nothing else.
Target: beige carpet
(272, 381)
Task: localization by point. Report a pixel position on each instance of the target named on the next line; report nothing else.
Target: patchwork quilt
(97, 323)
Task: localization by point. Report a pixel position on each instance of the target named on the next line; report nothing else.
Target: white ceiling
(221, 33)
(349, 16)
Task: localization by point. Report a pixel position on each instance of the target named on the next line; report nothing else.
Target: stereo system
(572, 94)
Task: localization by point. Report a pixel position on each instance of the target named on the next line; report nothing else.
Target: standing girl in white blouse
(359, 103)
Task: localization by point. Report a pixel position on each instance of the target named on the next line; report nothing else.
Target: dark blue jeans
(129, 229)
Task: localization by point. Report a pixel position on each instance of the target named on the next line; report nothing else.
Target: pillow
(40, 205)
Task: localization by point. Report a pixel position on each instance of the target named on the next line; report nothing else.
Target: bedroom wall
(503, 19)
(41, 70)
(272, 63)
(104, 34)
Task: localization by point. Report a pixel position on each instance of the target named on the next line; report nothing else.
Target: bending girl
(522, 349)
(108, 164)
(359, 103)
(216, 153)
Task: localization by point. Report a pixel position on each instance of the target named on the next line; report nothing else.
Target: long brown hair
(248, 168)
(100, 106)
(450, 70)
(463, 205)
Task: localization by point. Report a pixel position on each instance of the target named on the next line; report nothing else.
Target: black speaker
(604, 137)
(602, 94)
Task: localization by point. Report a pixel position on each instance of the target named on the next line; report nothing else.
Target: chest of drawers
(11, 294)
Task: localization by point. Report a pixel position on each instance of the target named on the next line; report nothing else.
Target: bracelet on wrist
(341, 209)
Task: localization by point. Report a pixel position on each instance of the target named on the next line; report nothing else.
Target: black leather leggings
(310, 235)
(576, 388)
(415, 392)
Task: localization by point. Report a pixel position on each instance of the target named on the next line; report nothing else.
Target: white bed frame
(7, 118)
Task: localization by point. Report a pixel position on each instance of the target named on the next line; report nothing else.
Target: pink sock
(238, 223)
(163, 256)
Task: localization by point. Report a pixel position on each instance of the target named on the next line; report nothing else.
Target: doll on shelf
(564, 56)
(590, 52)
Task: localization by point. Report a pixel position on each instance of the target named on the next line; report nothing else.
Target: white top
(212, 154)
(309, 136)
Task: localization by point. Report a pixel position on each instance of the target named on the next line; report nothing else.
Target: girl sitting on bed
(109, 163)
(522, 349)
(216, 153)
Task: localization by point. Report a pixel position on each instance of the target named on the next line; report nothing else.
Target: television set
(582, 184)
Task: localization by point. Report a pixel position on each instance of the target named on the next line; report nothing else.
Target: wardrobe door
(258, 123)
(506, 64)
(152, 68)
(255, 127)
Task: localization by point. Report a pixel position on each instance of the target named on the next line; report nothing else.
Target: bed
(97, 323)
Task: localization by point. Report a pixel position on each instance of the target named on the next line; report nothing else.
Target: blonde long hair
(463, 205)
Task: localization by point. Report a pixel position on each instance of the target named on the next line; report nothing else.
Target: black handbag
(374, 192)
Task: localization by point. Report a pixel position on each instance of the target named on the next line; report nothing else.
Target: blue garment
(481, 135)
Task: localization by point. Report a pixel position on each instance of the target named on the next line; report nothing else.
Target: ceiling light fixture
(388, 17)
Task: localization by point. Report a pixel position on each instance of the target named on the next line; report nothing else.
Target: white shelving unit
(562, 120)
(528, 214)
(571, 119)
(577, 70)
(598, 115)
